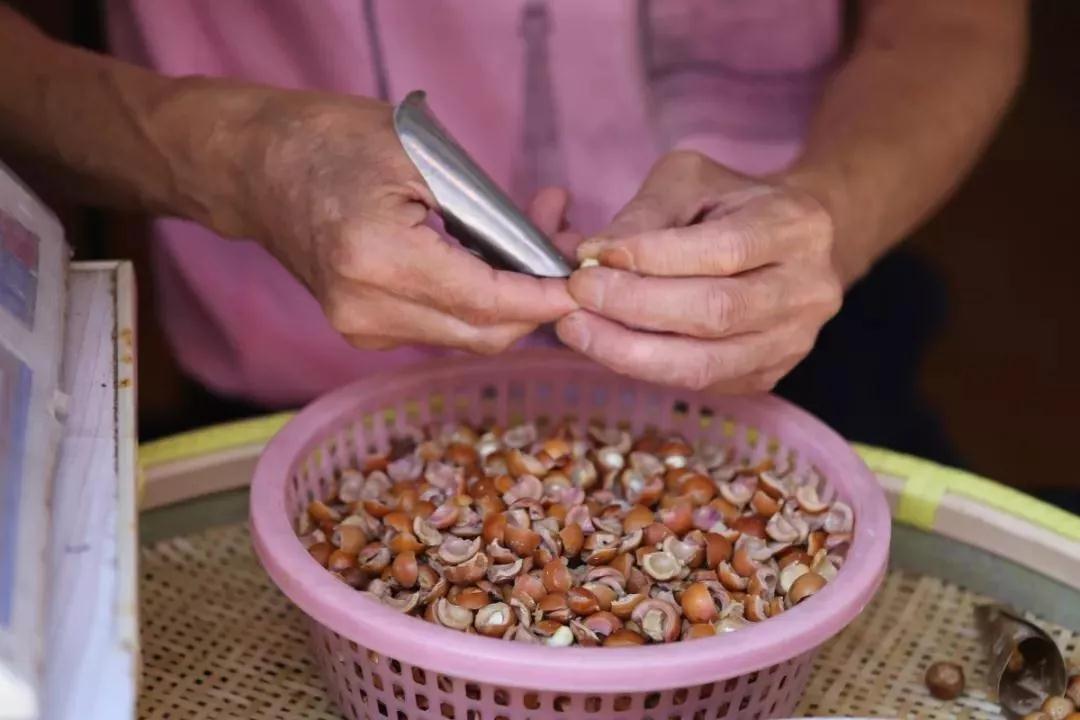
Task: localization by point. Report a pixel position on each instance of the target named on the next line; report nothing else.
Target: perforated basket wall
(380, 664)
(365, 684)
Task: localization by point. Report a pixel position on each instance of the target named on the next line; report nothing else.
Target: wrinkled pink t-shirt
(585, 95)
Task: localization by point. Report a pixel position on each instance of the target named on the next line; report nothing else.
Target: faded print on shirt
(744, 69)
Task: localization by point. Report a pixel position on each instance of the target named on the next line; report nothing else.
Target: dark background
(1000, 371)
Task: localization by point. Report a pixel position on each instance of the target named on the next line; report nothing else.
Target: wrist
(200, 124)
(855, 247)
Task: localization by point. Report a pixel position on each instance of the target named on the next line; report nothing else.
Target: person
(734, 168)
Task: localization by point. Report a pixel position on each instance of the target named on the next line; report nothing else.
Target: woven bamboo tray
(219, 641)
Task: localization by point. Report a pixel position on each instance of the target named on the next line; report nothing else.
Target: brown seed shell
(557, 576)
(405, 569)
(718, 549)
(945, 680)
(522, 541)
(804, 586)
(623, 637)
(697, 604)
(321, 552)
(572, 539)
(340, 561)
(753, 525)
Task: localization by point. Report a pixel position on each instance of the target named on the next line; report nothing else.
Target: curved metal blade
(476, 211)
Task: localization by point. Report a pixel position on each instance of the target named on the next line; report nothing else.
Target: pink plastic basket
(378, 663)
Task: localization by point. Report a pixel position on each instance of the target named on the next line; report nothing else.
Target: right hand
(332, 194)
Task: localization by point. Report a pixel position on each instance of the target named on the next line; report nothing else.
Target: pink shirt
(580, 94)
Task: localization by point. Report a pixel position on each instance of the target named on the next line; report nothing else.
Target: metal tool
(1026, 665)
(474, 209)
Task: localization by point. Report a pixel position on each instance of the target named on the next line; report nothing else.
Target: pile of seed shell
(577, 537)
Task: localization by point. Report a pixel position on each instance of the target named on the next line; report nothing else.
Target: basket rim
(494, 661)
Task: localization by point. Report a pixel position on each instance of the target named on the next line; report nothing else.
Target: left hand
(708, 279)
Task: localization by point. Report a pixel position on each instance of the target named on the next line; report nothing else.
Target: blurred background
(1000, 372)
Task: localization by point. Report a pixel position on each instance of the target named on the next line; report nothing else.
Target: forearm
(116, 134)
(907, 116)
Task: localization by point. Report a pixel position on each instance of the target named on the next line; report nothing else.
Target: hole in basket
(473, 715)
(358, 670)
(652, 700)
(599, 396)
(502, 697)
(376, 680)
(419, 676)
(783, 682)
(730, 684)
(436, 403)
(489, 392)
(532, 701)
(744, 703)
(543, 390)
(422, 702)
(447, 710)
(401, 715)
(706, 692)
(561, 703)
(399, 692)
(699, 715)
(472, 691)
(395, 667)
(501, 717)
(680, 695)
(680, 408)
(363, 695)
(445, 684)
(593, 704)
(623, 702)
(752, 679)
(373, 657)
(382, 709)
(722, 711)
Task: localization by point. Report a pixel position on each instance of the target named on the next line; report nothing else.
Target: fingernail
(617, 257)
(590, 249)
(573, 331)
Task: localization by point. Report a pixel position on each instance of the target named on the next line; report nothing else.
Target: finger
(374, 320)
(374, 342)
(417, 264)
(699, 307)
(666, 359)
(567, 244)
(548, 209)
(680, 188)
(742, 241)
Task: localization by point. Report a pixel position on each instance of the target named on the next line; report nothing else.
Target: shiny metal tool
(474, 209)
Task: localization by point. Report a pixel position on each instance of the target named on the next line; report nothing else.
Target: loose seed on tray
(1058, 708)
(945, 680)
(590, 538)
(1072, 690)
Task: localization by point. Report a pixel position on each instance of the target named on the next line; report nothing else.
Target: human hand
(332, 194)
(707, 279)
